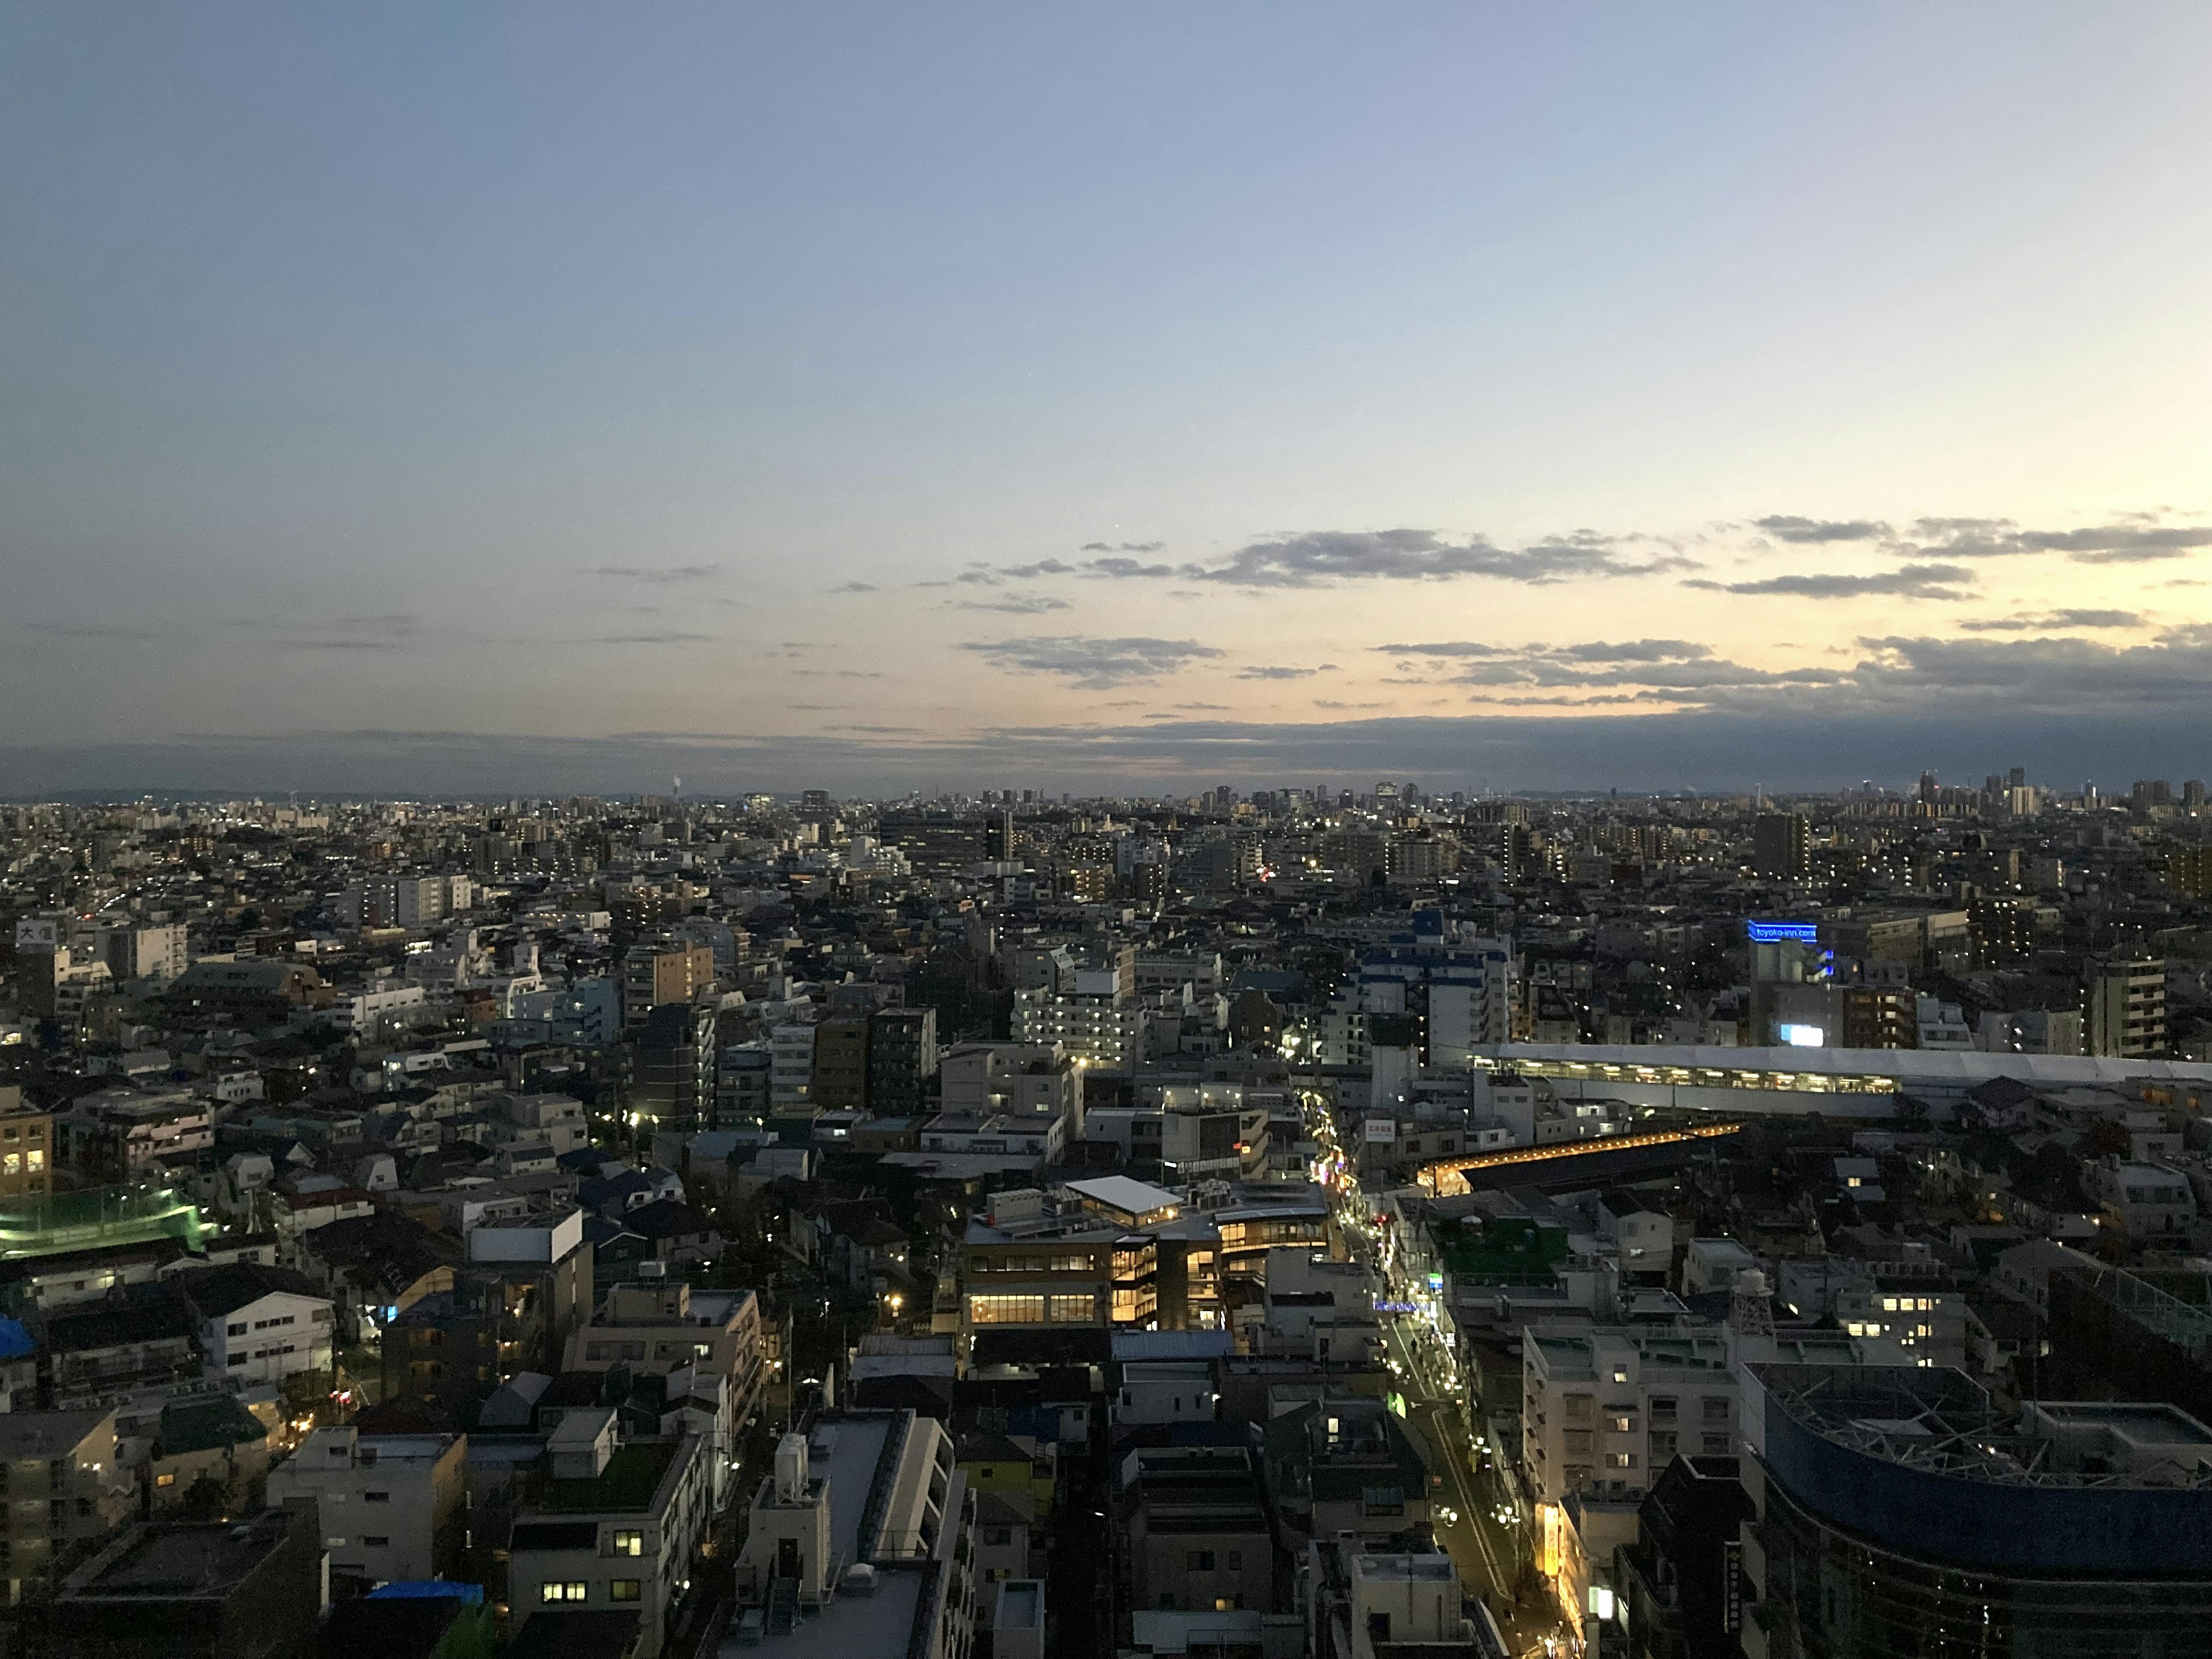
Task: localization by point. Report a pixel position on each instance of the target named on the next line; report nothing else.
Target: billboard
(38, 934)
(1380, 1131)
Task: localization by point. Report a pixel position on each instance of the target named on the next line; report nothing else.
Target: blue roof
(15, 1340)
(421, 1590)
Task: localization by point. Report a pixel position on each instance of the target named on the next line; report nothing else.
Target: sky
(556, 399)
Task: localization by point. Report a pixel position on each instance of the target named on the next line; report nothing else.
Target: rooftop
(627, 1483)
(182, 1562)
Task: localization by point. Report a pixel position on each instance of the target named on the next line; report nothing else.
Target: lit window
(164, 1480)
(629, 1543)
(625, 1589)
(573, 1589)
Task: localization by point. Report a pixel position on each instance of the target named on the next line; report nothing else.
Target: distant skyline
(551, 399)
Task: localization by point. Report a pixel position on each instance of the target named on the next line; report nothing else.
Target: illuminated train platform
(1862, 1083)
(1449, 1175)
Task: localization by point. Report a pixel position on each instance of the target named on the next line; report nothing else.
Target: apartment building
(62, 1486)
(393, 1506)
(1617, 1404)
(617, 1528)
(258, 1324)
(660, 1325)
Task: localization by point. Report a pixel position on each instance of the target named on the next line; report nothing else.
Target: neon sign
(1781, 933)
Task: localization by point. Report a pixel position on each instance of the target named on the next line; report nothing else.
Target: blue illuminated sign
(1397, 1307)
(1780, 932)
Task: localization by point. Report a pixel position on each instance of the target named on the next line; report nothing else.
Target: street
(1489, 1553)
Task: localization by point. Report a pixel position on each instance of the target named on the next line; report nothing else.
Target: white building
(393, 1506)
(258, 1324)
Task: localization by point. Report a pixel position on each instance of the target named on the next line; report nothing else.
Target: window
(376, 1497)
(629, 1543)
(625, 1589)
(372, 1540)
(1005, 1310)
(1201, 1561)
(238, 1329)
(1717, 1408)
(573, 1590)
(1621, 1460)
(237, 1358)
(164, 1480)
(1070, 1309)
(1717, 1445)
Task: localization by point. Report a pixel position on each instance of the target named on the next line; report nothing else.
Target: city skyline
(463, 404)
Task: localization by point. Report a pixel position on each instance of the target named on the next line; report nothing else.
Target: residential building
(672, 1068)
(655, 974)
(394, 1507)
(207, 1444)
(27, 1148)
(658, 1326)
(171, 1591)
(1021, 1078)
(258, 1324)
(1364, 1601)
(839, 1070)
(2125, 1002)
(860, 1540)
(902, 1059)
(617, 1528)
(145, 952)
(1782, 846)
(1616, 1403)
(63, 1487)
(1199, 1534)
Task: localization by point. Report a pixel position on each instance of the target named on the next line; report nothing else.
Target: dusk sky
(555, 397)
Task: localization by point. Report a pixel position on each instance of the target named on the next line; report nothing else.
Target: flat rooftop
(173, 1563)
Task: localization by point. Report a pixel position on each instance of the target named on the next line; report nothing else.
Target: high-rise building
(673, 1067)
(841, 1064)
(901, 1060)
(1782, 846)
(654, 974)
(2124, 1006)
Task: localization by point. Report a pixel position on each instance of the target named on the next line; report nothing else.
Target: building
(658, 1326)
(859, 1541)
(902, 1059)
(394, 1507)
(1200, 1536)
(1364, 1602)
(1782, 846)
(2124, 1006)
(841, 1051)
(1895, 1512)
(655, 974)
(1096, 1020)
(258, 1324)
(64, 1487)
(207, 1446)
(157, 953)
(1615, 1404)
(1344, 1466)
(2145, 1203)
(617, 1528)
(2122, 1334)
(27, 1146)
(1680, 1593)
(673, 1068)
(1021, 1078)
(168, 1590)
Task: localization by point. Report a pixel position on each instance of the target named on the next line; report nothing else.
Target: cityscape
(1292, 1221)
(1263, 831)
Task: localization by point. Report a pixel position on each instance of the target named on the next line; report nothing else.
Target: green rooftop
(632, 1475)
(1507, 1250)
(194, 1426)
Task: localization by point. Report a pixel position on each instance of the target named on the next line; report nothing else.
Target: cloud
(664, 573)
(1445, 648)
(1913, 581)
(664, 636)
(95, 633)
(2111, 543)
(1122, 547)
(1118, 569)
(1272, 673)
(1788, 527)
(856, 587)
(1323, 558)
(1020, 605)
(1092, 663)
(2053, 619)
